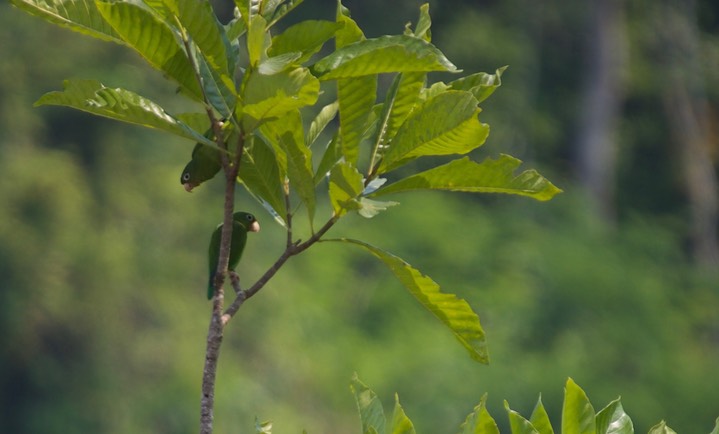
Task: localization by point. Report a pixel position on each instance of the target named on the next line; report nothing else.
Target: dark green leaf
(261, 175)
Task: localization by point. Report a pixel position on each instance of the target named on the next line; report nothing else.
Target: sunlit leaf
(306, 37)
(479, 421)
(661, 428)
(293, 157)
(119, 104)
(400, 423)
(78, 15)
(613, 420)
(452, 311)
(716, 427)
(396, 53)
(356, 99)
(370, 208)
(540, 418)
(281, 11)
(271, 96)
(577, 412)
(200, 22)
(517, 423)
(369, 407)
(323, 118)
(279, 63)
(405, 100)
(256, 43)
(260, 174)
(345, 186)
(481, 84)
(153, 40)
(219, 90)
(446, 124)
(489, 176)
(330, 157)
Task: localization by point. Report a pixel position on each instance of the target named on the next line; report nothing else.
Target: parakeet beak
(188, 187)
(254, 227)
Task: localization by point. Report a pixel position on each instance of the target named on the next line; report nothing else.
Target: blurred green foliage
(102, 311)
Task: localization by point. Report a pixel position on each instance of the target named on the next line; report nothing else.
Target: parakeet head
(247, 220)
(188, 179)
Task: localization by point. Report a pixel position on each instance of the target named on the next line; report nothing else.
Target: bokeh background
(614, 283)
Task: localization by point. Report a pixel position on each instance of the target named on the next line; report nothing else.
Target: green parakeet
(204, 165)
(242, 223)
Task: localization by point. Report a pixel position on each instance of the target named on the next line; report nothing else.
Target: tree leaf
(394, 53)
(400, 422)
(489, 176)
(256, 40)
(281, 11)
(369, 407)
(260, 174)
(716, 427)
(452, 311)
(79, 15)
(445, 124)
(370, 208)
(481, 84)
(272, 96)
(661, 428)
(577, 412)
(356, 99)
(613, 420)
(119, 104)
(306, 37)
(330, 157)
(345, 186)
(519, 425)
(540, 419)
(293, 157)
(219, 90)
(199, 20)
(323, 118)
(406, 99)
(153, 39)
(479, 421)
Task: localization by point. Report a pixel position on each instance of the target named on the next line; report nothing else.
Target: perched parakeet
(204, 165)
(242, 222)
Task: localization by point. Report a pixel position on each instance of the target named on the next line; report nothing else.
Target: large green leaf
(119, 104)
(199, 20)
(257, 42)
(613, 420)
(452, 311)
(306, 37)
(330, 157)
(400, 422)
(443, 125)
(716, 427)
(540, 419)
(77, 15)
(405, 100)
(479, 421)
(489, 176)
(369, 407)
(293, 157)
(261, 175)
(577, 412)
(271, 96)
(219, 90)
(519, 425)
(153, 39)
(356, 98)
(280, 11)
(386, 54)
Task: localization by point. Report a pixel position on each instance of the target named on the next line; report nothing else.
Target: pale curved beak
(254, 227)
(188, 187)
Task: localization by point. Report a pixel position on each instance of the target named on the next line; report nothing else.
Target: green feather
(242, 222)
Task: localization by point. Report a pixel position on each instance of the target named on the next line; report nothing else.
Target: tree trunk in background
(687, 112)
(603, 94)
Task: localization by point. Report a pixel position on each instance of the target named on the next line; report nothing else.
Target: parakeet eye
(250, 217)
(186, 176)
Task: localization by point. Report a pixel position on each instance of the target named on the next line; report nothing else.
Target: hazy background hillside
(615, 282)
